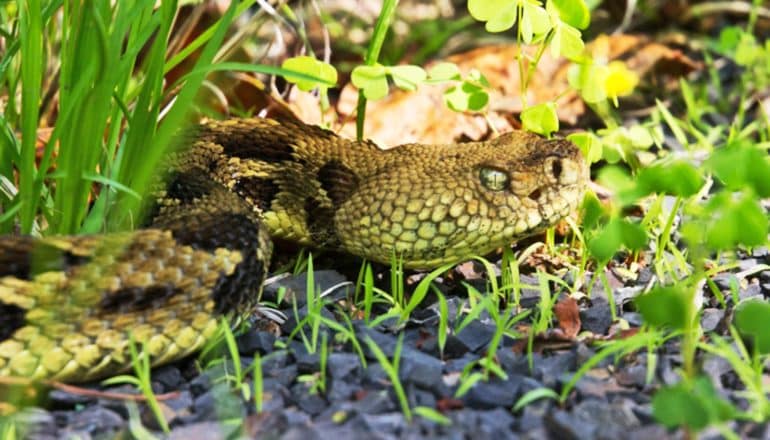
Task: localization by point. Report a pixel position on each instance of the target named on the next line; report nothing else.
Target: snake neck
(293, 176)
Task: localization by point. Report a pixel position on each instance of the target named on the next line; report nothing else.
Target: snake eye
(493, 179)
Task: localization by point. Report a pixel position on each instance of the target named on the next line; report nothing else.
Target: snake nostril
(534, 195)
(556, 168)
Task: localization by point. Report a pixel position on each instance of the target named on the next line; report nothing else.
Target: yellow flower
(620, 81)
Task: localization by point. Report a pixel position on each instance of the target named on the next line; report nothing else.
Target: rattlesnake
(69, 304)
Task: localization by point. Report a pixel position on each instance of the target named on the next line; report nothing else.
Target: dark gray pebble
(310, 402)
(342, 365)
(218, 403)
(204, 430)
(632, 375)
(597, 318)
(36, 423)
(295, 286)
(495, 393)
(563, 425)
(93, 421)
(375, 402)
(711, 318)
(168, 378)
(476, 335)
(255, 341)
(65, 400)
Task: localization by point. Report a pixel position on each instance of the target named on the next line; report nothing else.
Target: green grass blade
(32, 63)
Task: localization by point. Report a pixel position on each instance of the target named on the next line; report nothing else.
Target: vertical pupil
(493, 179)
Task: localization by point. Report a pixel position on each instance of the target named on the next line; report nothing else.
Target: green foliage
(433, 415)
(313, 67)
(469, 94)
(373, 80)
(743, 47)
(725, 222)
(540, 118)
(615, 235)
(590, 145)
(501, 15)
(678, 178)
(740, 165)
(694, 404)
(574, 13)
(751, 318)
(665, 307)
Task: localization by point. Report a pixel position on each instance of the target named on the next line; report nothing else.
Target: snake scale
(69, 303)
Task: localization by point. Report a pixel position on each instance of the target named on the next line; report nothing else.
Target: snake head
(435, 204)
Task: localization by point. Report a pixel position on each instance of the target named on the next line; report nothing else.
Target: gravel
(611, 400)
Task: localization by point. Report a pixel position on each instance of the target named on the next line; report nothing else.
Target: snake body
(69, 306)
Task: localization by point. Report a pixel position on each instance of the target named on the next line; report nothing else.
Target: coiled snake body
(69, 304)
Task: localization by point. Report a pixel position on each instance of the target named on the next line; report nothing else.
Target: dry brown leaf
(567, 313)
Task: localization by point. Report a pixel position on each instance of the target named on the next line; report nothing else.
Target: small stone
(180, 406)
(275, 361)
(94, 421)
(62, 399)
(529, 296)
(311, 403)
(204, 430)
(476, 335)
(341, 390)
(597, 384)
(725, 280)
(563, 425)
(551, 369)
(375, 375)
(634, 319)
(419, 397)
(495, 393)
(597, 317)
(751, 291)
(256, 341)
(716, 368)
(647, 432)
(342, 365)
(218, 403)
(420, 369)
(389, 423)
(496, 423)
(532, 416)
(285, 376)
(306, 362)
(375, 402)
(291, 323)
(200, 384)
(632, 375)
(385, 342)
(611, 420)
(35, 423)
(583, 353)
(710, 318)
(625, 295)
(168, 377)
(747, 264)
(295, 286)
